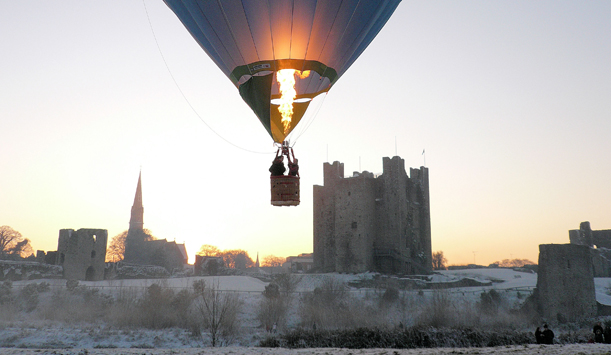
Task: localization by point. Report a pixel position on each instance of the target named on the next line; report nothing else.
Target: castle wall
(420, 215)
(324, 228)
(600, 262)
(565, 282)
(355, 225)
(82, 253)
(324, 217)
(602, 238)
(600, 243)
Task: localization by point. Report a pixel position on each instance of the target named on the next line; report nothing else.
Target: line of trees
(441, 263)
(513, 262)
(234, 258)
(238, 258)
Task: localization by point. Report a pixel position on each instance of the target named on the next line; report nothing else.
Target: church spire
(136, 222)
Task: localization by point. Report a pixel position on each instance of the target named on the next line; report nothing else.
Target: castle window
(353, 225)
(93, 254)
(348, 193)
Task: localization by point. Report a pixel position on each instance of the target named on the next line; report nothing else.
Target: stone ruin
(599, 242)
(565, 282)
(82, 253)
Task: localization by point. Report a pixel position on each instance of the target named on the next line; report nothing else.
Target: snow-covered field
(27, 335)
(570, 349)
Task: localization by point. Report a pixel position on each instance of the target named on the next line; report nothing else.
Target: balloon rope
(183, 94)
(310, 120)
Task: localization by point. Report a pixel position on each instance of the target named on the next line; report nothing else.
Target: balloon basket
(285, 190)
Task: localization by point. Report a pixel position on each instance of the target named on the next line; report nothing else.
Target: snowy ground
(571, 349)
(101, 339)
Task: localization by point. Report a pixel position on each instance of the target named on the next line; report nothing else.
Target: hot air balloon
(281, 54)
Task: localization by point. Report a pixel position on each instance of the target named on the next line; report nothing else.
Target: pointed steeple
(136, 222)
(257, 262)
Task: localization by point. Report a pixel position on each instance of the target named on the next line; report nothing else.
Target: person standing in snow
(539, 335)
(548, 335)
(598, 333)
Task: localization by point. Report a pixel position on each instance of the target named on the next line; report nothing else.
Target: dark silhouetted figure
(539, 335)
(293, 167)
(548, 335)
(277, 168)
(598, 333)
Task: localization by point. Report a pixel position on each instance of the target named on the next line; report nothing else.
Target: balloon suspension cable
(285, 149)
(183, 94)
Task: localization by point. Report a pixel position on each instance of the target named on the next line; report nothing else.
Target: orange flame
(286, 84)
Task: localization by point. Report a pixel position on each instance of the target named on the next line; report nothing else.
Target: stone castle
(368, 223)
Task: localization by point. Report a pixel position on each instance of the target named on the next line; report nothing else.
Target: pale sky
(510, 99)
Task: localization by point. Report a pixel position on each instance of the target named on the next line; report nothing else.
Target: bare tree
(217, 310)
(208, 250)
(13, 243)
(116, 248)
(439, 261)
(273, 261)
(278, 297)
(273, 307)
(287, 283)
(236, 259)
(513, 262)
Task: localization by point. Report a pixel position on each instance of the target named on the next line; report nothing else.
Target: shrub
(490, 302)
(29, 297)
(414, 337)
(71, 285)
(216, 311)
(156, 307)
(6, 295)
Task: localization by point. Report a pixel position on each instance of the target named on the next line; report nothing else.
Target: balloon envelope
(250, 40)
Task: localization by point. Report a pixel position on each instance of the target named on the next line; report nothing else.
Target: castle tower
(565, 282)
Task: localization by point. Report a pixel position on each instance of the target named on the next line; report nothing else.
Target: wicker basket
(285, 190)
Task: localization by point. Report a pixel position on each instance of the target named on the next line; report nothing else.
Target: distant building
(140, 250)
(301, 263)
(368, 223)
